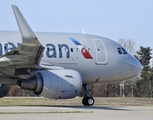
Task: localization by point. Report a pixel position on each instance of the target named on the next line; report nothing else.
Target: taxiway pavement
(76, 113)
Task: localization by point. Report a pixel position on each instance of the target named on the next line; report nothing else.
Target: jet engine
(54, 84)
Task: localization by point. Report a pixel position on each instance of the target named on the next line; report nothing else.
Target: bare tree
(128, 44)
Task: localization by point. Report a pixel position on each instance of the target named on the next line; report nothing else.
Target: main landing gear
(87, 100)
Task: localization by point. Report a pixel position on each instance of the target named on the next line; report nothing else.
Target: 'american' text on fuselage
(51, 50)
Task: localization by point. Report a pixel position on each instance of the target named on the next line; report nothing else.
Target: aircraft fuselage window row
(66, 49)
(121, 50)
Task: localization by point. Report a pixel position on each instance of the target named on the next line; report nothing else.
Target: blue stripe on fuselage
(75, 41)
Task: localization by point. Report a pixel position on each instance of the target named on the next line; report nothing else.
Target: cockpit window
(121, 51)
(124, 51)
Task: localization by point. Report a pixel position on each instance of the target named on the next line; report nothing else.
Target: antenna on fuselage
(83, 32)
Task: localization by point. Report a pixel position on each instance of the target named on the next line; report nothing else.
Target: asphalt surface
(76, 113)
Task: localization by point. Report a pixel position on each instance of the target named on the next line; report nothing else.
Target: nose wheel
(87, 100)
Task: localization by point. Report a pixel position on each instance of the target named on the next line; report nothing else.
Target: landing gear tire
(88, 101)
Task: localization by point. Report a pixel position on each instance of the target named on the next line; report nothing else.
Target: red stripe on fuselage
(86, 54)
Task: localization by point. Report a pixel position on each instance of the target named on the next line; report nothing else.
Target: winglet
(28, 36)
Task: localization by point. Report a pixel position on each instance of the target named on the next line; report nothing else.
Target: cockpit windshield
(121, 50)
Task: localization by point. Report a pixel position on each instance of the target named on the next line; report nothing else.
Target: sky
(114, 19)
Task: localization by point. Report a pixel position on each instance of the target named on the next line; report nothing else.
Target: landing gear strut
(87, 100)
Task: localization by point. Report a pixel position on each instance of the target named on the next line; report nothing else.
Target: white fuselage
(97, 59)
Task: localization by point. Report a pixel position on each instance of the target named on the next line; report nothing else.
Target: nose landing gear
(87, 100)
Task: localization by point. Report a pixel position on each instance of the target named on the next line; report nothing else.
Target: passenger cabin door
(101, 53)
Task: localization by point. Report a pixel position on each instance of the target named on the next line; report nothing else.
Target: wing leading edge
(30, 52)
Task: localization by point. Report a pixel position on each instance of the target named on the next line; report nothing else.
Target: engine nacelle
(54, 84)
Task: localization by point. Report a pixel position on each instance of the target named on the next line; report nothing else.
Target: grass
(110, 101)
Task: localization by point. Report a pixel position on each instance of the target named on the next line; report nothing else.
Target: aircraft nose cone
(135, 66)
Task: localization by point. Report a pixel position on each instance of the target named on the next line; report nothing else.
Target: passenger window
(83, 50)
(71, 49)
(89, 50)
(78, 50)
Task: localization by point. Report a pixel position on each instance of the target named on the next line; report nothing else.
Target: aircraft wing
(31, 50)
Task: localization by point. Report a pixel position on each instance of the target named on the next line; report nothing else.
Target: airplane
(59, 65)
